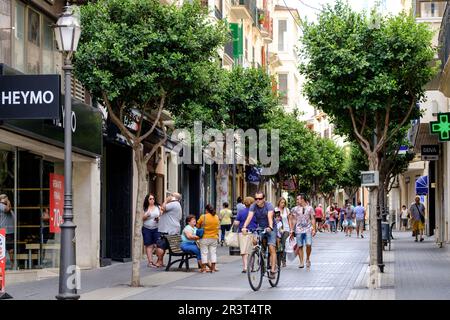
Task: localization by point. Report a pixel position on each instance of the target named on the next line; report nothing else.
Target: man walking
(360, 213)
(417, 212)
(302, 217)
(169, 224)
(349, 217)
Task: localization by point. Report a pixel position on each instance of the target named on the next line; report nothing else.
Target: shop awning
(422, 185)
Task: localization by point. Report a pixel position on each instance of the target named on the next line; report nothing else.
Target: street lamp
(67, 33)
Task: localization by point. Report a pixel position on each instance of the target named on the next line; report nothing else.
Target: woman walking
(208, 244)
(188, 238)
(225, 221)
(245, 240)
(284, 213)
(150, 228)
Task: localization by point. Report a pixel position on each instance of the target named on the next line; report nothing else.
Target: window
(283, 88)
(19, 37)
(34, 42)
(48, 49)
(246, 49)
(432, 9)
(5, 32)
(282, 28)
(34, 50)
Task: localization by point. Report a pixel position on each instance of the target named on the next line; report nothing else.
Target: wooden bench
(175, 251)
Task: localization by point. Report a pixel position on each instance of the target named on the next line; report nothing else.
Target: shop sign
(429, 152)
(30, 97)
(56, 202)
(441, 127)
(2, 259)
(370, 178)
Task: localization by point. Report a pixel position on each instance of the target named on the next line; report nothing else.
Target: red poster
(2, 259)
(56, 202)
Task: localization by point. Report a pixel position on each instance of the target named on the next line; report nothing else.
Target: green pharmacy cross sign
(442, 126)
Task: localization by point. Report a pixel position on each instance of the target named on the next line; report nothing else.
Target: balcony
(242, 9)
(266, 27)
(444, 53)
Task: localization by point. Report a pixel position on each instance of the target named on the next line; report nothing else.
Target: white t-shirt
(151, 223)
(284, 218)
(404, 214)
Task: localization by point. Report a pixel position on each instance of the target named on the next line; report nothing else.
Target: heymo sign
(30, 97)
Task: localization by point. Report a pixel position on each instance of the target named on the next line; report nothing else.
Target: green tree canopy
(139, 57)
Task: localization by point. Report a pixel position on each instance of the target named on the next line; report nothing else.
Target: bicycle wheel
(274, 282)
(255, 270)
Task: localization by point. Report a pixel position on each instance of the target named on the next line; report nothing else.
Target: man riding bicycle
(264, 213)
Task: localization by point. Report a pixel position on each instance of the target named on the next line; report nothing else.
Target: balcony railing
(229, 49)
(247, 5)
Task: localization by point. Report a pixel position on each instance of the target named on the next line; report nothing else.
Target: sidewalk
(413, 271)
(111, 282)
(339, 271)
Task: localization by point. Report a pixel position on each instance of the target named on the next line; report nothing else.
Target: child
(280, 229)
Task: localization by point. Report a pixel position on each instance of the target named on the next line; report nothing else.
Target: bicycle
(257, 267)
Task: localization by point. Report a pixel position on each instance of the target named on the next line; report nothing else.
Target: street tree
(355, 161)
(139, 58)
(368, 73)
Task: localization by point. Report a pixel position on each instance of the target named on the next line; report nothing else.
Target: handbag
(232, 239)
(201, 231)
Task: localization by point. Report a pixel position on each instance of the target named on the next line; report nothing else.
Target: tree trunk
(137, 237)
(374, 276)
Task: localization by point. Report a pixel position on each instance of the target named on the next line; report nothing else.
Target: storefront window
(19, 37)
(25, 179)
(7, 217)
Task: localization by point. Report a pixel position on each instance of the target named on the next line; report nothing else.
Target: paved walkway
(339, 271)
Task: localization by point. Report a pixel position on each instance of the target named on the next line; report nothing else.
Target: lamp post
(67, 33)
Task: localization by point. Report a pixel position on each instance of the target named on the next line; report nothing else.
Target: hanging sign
(30, 97)
(441, 127)
(56, 202)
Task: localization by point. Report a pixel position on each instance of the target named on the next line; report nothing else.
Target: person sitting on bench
(188, 238)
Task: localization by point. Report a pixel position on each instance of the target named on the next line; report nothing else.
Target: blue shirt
(261, 214)
(359, 210)
(242, 216)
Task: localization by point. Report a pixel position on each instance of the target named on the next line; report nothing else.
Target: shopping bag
(231, 239)
(290, 249)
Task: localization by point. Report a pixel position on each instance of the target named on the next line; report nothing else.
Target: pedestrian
(349, 217)
(332, 219)
(208, 243)
(150, 232)
(326, 226)
(284, 213)
(225, 221)
(245, 240)
(188, 241)
(341, 219)
(417, 212)
(319, 217)
(404, 217)
(360, 215)
(7, 218)
(302, 225)
(239, 206)
(169, 224)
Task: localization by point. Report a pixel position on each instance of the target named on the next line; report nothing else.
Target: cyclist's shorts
(304, 238)
(271, 238)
